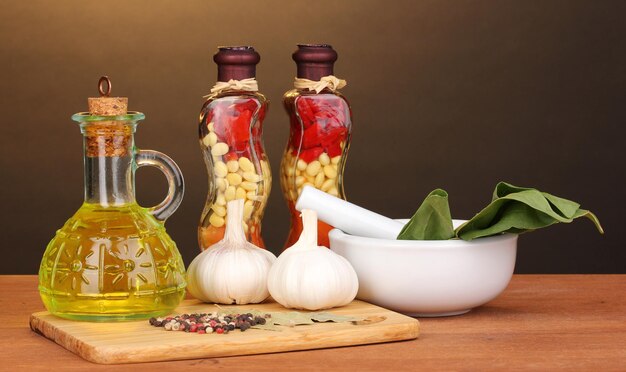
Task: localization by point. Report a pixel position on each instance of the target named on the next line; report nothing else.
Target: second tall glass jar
(230, 131)
(320, 128)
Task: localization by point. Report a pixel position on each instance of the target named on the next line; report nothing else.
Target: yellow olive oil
(111, 263)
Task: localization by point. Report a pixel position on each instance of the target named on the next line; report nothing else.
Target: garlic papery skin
(306, 276)
(231, 271)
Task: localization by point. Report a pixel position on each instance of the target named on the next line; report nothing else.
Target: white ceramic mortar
(428, 277)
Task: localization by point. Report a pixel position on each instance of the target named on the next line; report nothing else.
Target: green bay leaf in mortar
(517, 210)
(432, 221)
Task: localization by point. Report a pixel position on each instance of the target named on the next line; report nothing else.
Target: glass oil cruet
(113, 260)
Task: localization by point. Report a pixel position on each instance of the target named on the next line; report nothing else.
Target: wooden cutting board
(137, 341)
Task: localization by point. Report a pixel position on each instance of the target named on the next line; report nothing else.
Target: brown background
(451, 94)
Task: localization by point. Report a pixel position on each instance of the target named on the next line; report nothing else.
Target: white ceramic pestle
(348, 217)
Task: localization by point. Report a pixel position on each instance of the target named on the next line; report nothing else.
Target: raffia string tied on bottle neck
(248, 85)
(329, 82)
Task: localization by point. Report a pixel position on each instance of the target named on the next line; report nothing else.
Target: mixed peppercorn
(209, 322)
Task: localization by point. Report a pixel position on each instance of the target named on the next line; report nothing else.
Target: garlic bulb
(231, 271)
(309, 277)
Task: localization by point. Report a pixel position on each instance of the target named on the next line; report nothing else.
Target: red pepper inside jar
(230, 131)
(320, 128)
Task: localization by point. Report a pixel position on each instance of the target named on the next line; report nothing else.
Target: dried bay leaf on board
(329, 317)
(279, 319)
(268, 326)
(291, 319)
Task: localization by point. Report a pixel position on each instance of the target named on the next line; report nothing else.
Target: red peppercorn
(201, 331)
(220, 330)
(193, 328)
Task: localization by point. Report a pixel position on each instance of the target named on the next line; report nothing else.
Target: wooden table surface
(541, 322)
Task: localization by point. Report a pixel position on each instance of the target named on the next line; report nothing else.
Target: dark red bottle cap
(236, 62)
(314, 60)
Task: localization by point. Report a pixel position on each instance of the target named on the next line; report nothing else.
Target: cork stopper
(109, 138)
(105, 105)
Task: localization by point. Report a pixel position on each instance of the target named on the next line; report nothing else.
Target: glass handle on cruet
(176, 183)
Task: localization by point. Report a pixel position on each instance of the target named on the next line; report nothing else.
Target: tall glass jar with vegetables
(230, 131)
(320, 128)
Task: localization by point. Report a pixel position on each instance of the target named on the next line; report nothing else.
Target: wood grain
(137, 341)
(541, 322)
